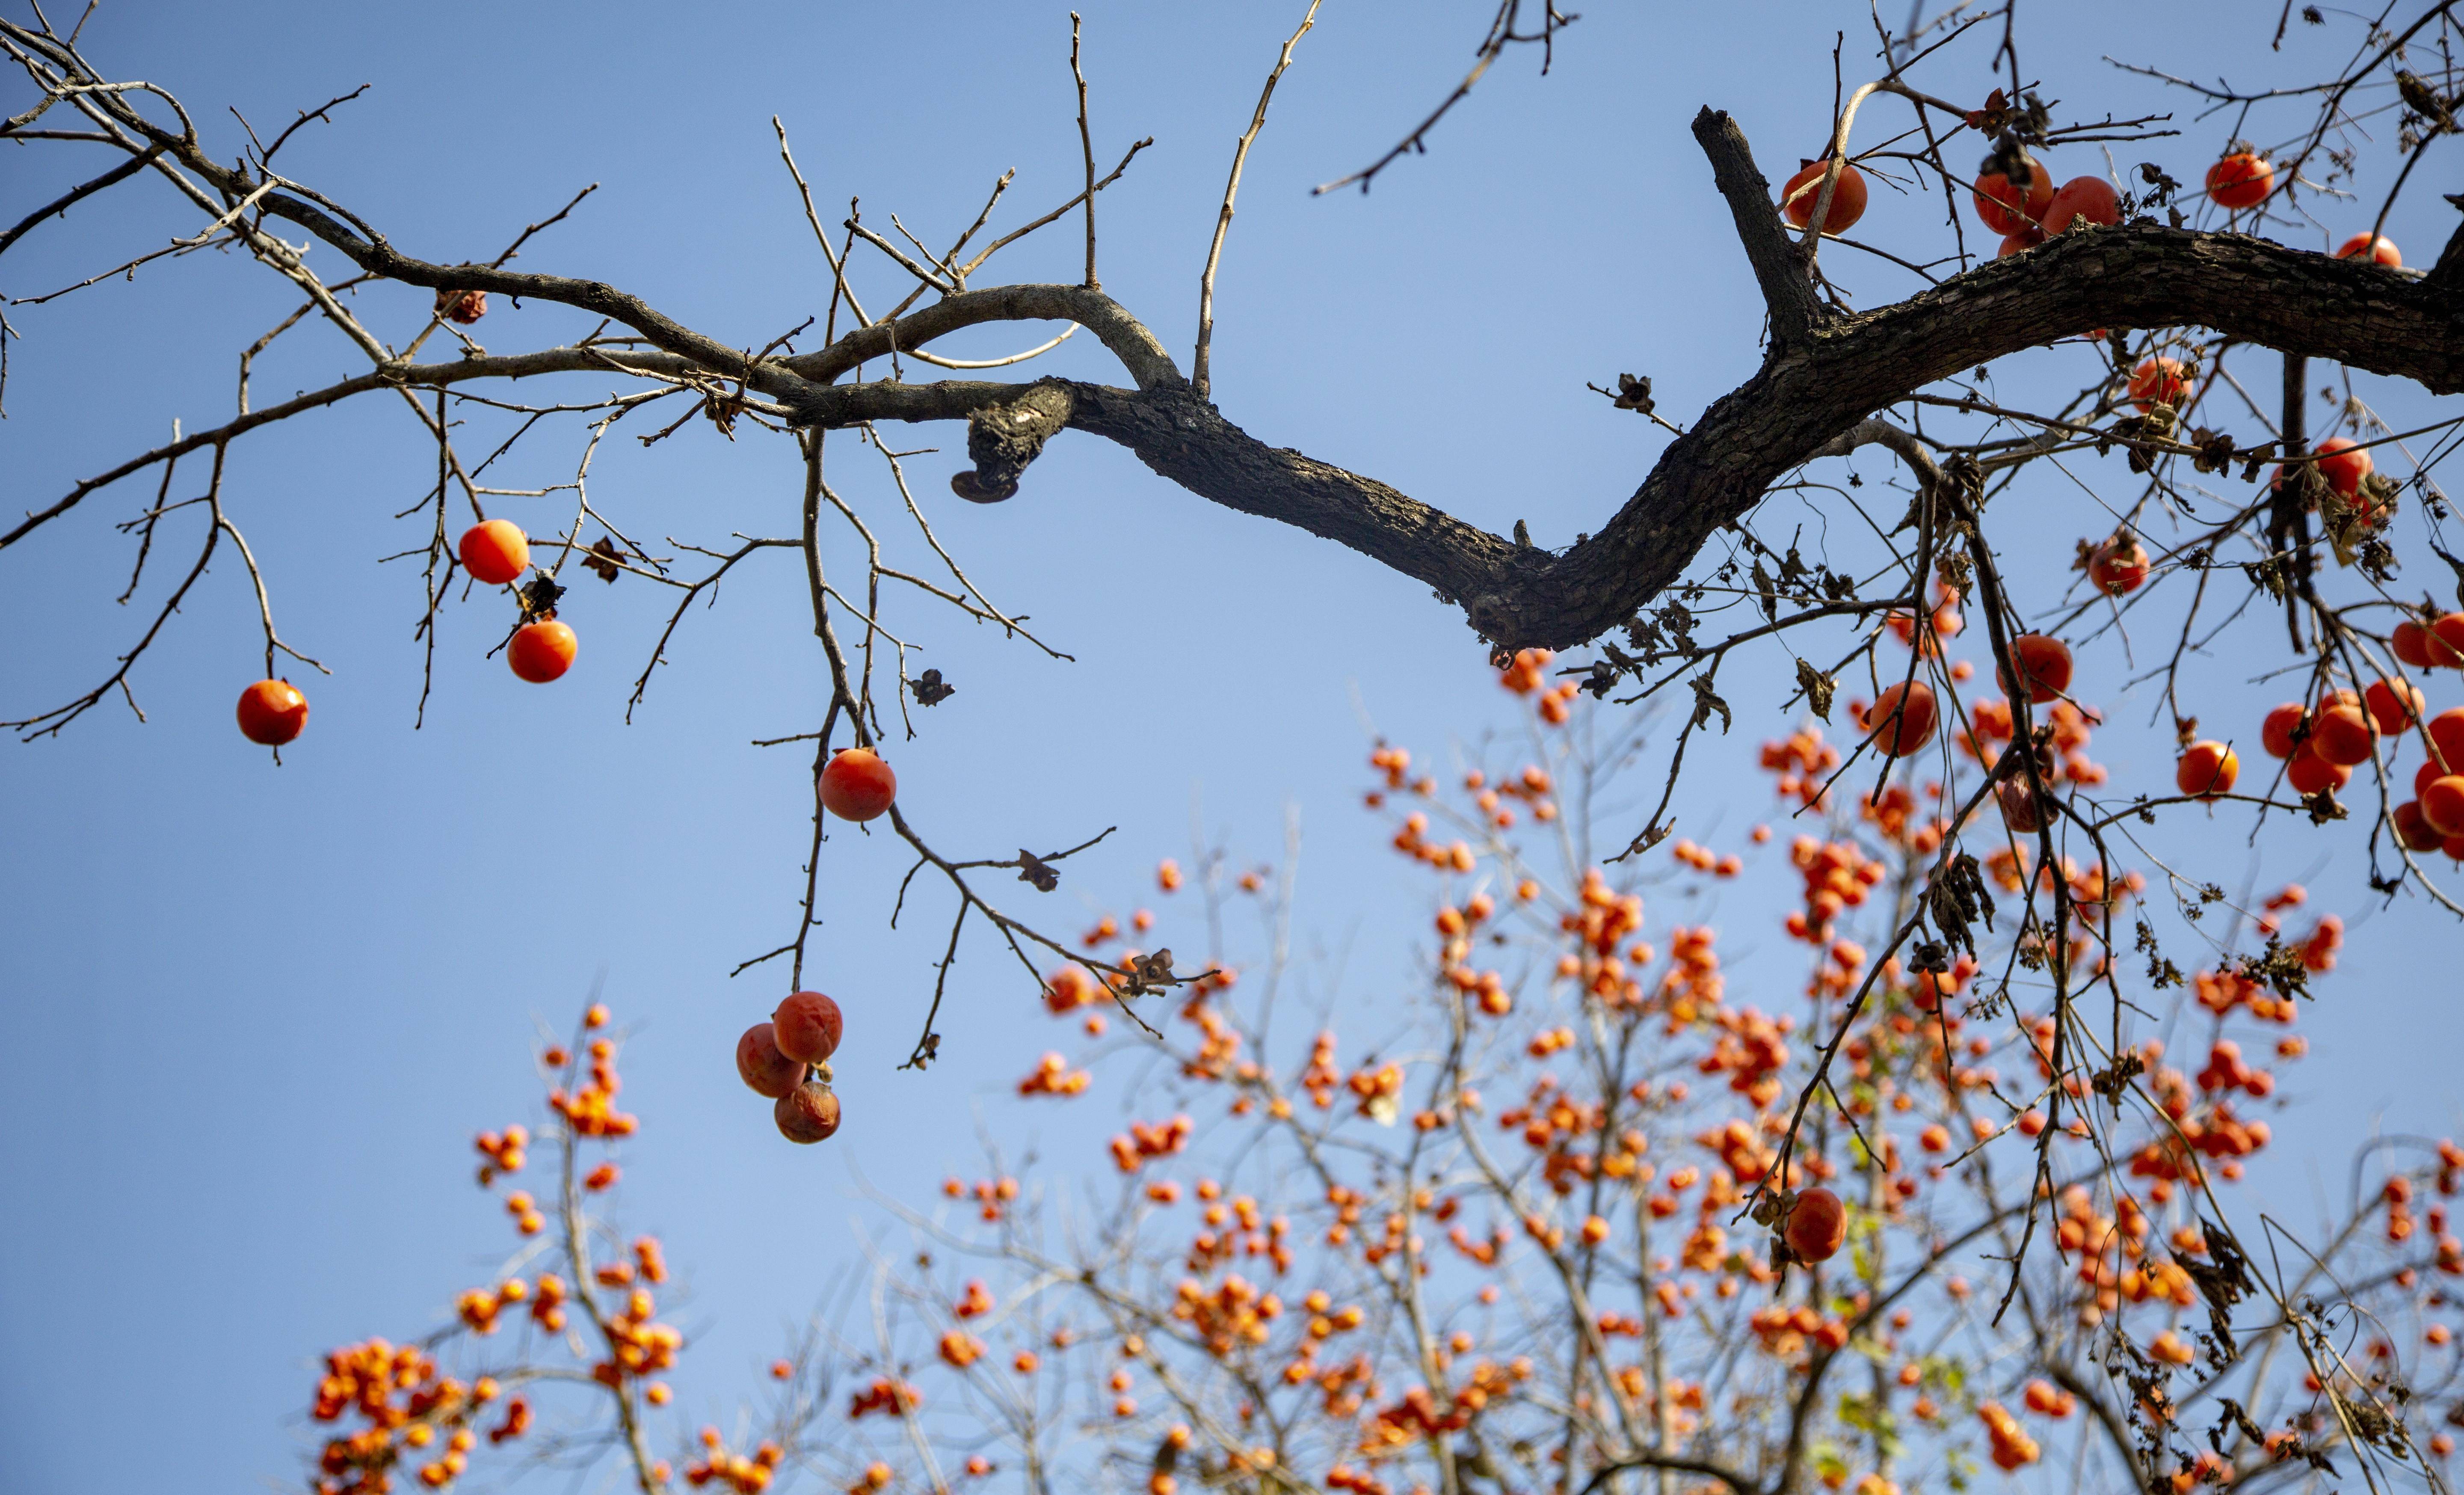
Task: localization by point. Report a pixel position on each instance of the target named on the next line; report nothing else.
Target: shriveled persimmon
(857, 785)
(2082, 200)
(1816, 1227)
(2044, 665)
(808, 1113)
(807, 1028)
(1803, 190)
(2207, 769)
(271, 712)
(1903, 718)
(2023, 809)
(2241, 180)
(496, 551)
(760, 1064)
(541, 650)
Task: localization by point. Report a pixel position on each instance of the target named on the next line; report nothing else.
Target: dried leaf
(603, 560)
(1818, 688)
(930, 689)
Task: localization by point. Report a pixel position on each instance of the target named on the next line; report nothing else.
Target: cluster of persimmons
(1580, 1208)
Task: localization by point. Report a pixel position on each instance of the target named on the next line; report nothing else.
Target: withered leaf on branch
(603, 560)
(930, 689)
(1818, 688)
(2215, 449)
(1706, 701)
(1033, 868)
(1956, 898)
(539, 599)
(2423, 100)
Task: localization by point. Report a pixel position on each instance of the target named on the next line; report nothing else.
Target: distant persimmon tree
(1544, 1304)
(1572, 1217)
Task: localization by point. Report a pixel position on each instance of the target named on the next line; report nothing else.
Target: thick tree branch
(1788, 289)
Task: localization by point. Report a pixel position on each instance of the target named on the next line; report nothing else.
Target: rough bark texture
(1826, 371)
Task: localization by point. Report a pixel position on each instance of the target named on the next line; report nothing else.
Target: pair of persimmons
(2027, 212)
(495, 551)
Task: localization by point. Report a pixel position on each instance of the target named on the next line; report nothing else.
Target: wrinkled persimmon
(808, 1113)
(271, 712)
(761, 1066)
(807, 1028)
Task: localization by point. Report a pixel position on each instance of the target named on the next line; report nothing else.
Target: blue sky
(250, 1018)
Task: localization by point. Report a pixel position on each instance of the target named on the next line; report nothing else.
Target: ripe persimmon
(2008, 207)
(2381, 249)
(2414, 828)
(2412, 644)
(1805, 188)
(1817, 1226)
(2118, 568)
(2342, 733)
(2044, 665)
(271, 712)
(2342, 464)
(807, 1028)
(2394, 704)
(496, 551)
(2444, 643)
(2159, 378)
(2206, 770)
(760, 1064)
(2308, 773)
(2442, 805)
(541, 650)
(2241, 180)
(857, 785)
(2021, 242)
(1900, 727)
(808, 1113)
(2082, 200)
(2447, 738)
(2276, 733)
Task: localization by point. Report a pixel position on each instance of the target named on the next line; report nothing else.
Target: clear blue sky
(250, 1018)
